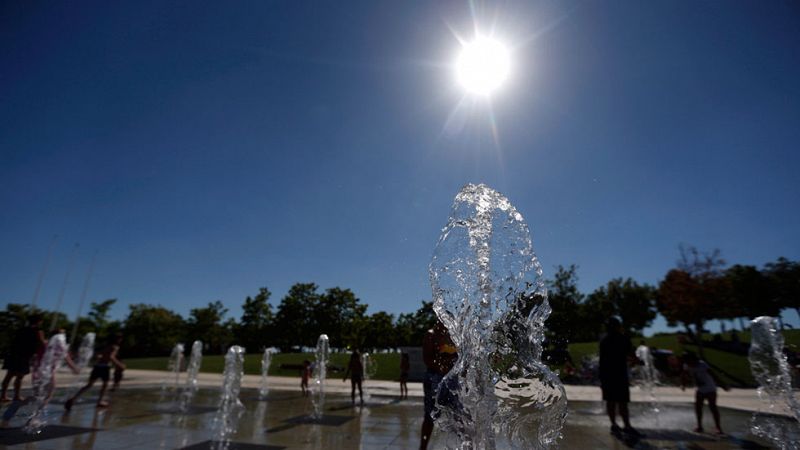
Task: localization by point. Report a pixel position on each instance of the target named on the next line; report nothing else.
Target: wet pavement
(145, 418)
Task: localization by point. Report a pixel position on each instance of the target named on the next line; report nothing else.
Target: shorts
(101, 371)
(356, 379)
(447, 397)
(17, 364)
(616, 391)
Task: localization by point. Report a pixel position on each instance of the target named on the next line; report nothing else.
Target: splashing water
(320, 371)
(370, 369)
(266, 360)
(174, 367)
(648, 378)
(770, 368)
(44, 381)
(195, 360)
(85, 353)
(489, 293)
(230, 407)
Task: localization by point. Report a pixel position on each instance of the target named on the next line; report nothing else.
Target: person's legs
(68, 404)
(611, 410)
(429, 386)
(712, 405)
(353, 391)
(100, 401)
(6, 380)
(18, 386)
(698, 411)
(427, 429)
(623, 411)
(360, 392)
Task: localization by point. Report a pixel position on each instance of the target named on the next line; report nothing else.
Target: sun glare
(483, 65)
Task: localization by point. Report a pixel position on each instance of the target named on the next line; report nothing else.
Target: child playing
(101, 370)
(706, 383)
(305, 374)
(405, 367)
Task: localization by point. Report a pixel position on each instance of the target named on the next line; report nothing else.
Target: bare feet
(4, 399)
(68, 405)
(698, 430)
(102, 404)
(719, 432)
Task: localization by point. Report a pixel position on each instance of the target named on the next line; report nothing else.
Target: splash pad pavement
(139, 419)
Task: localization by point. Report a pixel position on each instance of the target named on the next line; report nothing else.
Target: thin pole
(43, 272)
(83, 299)
(64, 286)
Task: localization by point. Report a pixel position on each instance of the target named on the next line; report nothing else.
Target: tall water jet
(489, 293)
(230, 407)
(770, 368)
(648, 377)
(266, 360)
(320, 372)
(42, 378)
(195, 360)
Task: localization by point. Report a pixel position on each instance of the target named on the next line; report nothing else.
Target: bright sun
(483, 65)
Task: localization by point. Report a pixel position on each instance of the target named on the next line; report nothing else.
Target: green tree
(783, 277)
(207, 325)
(564, 298)
(410, 328)
(254, 329)
(379, 332)
(294, 319)
(151, 330)
(337, 313)
(634, 303)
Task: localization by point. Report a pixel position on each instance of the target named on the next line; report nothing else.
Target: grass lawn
(387, 365)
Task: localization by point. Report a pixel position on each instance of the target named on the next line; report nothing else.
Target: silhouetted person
(28, 342)
(439, 354)
(405, 368)
(615, 350)
(106, 358)
(705, 382)
(305, 374)
(355, 369)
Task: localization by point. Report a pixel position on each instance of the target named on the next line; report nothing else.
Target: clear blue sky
(205, 149)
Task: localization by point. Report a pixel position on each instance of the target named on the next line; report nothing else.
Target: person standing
(29, 341)
(355, 369)
(405, 368)
(440, 355)
(706, 384)
(615, 351)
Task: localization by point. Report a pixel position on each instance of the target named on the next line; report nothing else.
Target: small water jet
(266, 360)
(43, 378)
(320, 372)
(174, 365)
(230, 407)
(489, 292)
(648, 377)
(195, 360)
(770, 368)
(369, 367)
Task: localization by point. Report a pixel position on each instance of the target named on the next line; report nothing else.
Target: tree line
(700, 288)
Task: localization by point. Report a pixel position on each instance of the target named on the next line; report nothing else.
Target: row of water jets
(230, 407)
